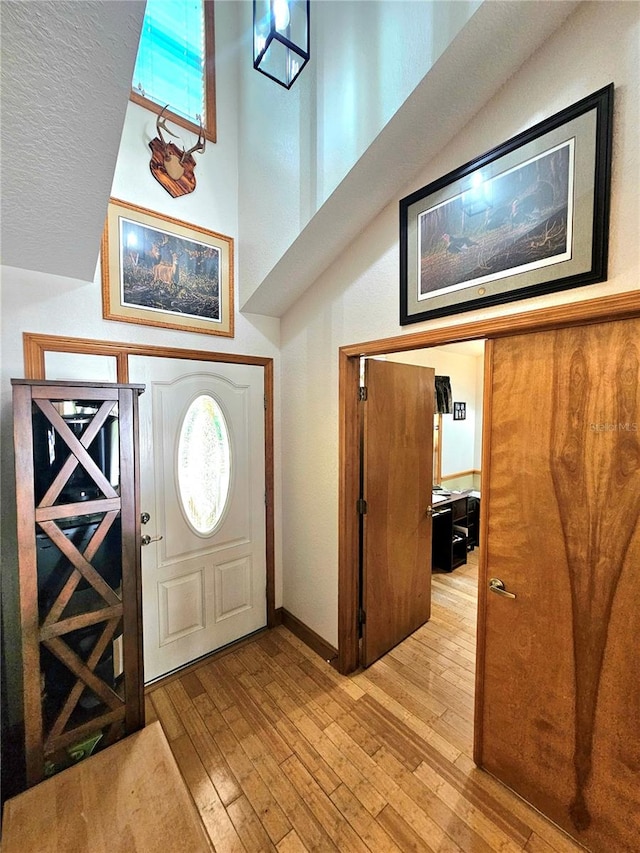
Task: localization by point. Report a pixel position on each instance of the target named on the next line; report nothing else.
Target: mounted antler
(200, 145)
(174, 168)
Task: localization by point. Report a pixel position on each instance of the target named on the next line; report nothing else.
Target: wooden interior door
(397, 456)
(558, 710)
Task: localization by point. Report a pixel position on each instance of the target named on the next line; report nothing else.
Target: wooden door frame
(36, 346)
(608, 308)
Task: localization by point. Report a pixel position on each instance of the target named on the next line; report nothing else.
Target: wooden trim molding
(482, 563)
(457, 474)
(348, 522)
(307, 635)
(604, 309)
(36, 346)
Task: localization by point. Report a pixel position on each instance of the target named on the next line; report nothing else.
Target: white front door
(202, 481)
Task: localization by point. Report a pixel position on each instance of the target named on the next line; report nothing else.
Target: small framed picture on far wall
(459, 411)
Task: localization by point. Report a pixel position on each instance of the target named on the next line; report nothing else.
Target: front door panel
(202, 588)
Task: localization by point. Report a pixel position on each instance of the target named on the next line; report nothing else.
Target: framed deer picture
(529, 217)
(159, 271)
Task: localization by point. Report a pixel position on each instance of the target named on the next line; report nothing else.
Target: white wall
(458, 437)
(356, 299)
(477, 448)
(297, 145)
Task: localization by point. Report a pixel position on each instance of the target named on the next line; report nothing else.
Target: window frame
(210, 129)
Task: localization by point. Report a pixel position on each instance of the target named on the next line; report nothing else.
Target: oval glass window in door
(204, 464)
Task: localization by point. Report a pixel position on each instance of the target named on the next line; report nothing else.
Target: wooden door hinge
(362, 393)
(361, 506)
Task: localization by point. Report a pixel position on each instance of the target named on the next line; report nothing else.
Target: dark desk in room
(455, 529)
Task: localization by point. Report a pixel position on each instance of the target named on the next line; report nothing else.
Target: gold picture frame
(160, 271)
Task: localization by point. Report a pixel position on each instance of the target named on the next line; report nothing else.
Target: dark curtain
(444, 406)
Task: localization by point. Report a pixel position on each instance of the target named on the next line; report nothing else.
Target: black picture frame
(529, 217)
(459, 411)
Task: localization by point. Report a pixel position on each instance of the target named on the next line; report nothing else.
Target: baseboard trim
(308, 637)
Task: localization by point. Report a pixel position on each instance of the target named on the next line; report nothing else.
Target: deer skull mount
(170, 166)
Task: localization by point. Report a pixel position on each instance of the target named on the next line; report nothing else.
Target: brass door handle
(147, 540)
(497, 586)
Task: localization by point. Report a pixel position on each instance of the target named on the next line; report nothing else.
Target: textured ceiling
(66, 76)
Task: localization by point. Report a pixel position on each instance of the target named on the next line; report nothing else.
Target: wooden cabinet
(449, 536)
(79, 568)
(473, 521)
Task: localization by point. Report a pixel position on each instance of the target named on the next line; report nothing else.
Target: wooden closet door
(558, 712)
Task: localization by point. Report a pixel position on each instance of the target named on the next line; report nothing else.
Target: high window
(175, 63)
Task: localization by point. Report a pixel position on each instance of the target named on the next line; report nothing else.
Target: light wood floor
(282, 753)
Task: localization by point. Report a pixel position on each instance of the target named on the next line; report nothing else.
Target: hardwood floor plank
(547, 831)
(283, 753)
(219, 826)
(291, 844)
(367, 827)
(343, 767)
(501, 835)
(169, 720)
(423, 730)
(150, 715)
(212, 759)
(324, 810)
(255, 722)
(404, 836)
(249, 827)
(257, 793)
(446, 818)
(310, 831)
(192, 684)
(314, 763)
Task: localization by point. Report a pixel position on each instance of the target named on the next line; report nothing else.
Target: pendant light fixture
(281, 38)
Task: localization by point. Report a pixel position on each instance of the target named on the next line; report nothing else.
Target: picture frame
(459, 411)
(529, 217)
(160, 271)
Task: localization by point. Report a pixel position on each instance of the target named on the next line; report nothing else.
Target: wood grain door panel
(559, 706)
(397, 462)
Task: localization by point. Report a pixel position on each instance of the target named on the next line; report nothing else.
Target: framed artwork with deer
(528, 217)
(159, 271)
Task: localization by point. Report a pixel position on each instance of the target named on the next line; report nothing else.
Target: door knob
(147, 540)
(497, 586)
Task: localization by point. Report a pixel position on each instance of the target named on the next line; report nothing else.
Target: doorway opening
(51, 356)
(616, 307)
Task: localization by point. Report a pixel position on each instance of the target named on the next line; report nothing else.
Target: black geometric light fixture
(281, 38)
